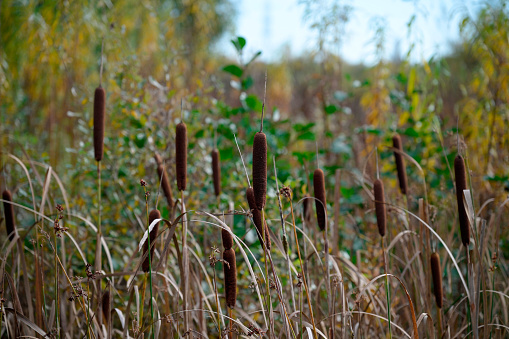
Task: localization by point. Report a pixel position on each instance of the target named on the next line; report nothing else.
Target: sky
(278, 26)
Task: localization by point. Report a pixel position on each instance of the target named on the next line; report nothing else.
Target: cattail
(181, 156)
(257, 217)
(320, 200)
(437, 279)
(227, 239)
(165, 183)
(306, 206)
(230, 277)
(461, 184)
(381, 220)
(260, 169)
(400, 163)
(106, 307)
(10, 224)
(216, 172)
(153, 215)
(99, 112)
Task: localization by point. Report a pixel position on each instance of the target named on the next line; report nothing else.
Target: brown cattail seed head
(461, 184)
(381, 219)
(306, 206)
(230, 277)
(260, 169)
(320, 202)
(106, 307)
(153, 215)
(257, 216)
(99, 112)
(216, 172)
(400, 163)
(437, 279)
(181, 156)
(227, 239)
(10, 224)
(165, 182)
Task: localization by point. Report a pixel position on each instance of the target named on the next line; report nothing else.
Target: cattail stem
(304, 280)
(387, 287)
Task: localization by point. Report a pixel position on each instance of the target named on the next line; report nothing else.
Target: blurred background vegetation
(159, 55)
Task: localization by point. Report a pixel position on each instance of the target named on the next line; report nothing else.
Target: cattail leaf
(145, 235)
(120, 317)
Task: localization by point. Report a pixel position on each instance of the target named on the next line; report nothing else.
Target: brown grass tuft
(381, 218)
(154, 214)
(321, 201)
(400, 164)
(10, 223)
(461, 184)
(181, 155)
(99, 113)
(165, 182)
(230, 277)
(216, 172)
(437, 279)
(260, 169)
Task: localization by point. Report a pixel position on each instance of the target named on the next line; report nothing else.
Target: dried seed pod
(153, 215)
(99, 113)
(461, 184)
(10, 223)
(260, 169)
(381, 219)
(400, 163)
(437, 279)
(181, 156)
(306, 207)
(106, 307)
(257, 216)
(267, 237)
(230, 277)
(216, 172)
(320, 202)
(227, 239)
(165, 182)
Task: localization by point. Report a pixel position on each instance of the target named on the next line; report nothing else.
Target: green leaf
(256, 55)
(239, 43)
(331, 109)
(303, 127)
(307, 136)
(253, 103)
(247, 83)
(234, 70)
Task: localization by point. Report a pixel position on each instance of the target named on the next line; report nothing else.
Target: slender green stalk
(387, 289)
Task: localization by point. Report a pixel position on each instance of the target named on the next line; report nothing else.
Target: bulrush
(437, 279)
(381, 220)
(260, 169)
(227, 239)
(230, 277)
(400, 163)
(216, 172)
(165, 182)
(257, 217)
(181, 155)
(321, 201)
(106, 307)
(461, 184)
(99, 112)
(154, 214)
(10, 224)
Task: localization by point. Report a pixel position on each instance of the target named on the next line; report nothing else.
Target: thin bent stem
(150, 267)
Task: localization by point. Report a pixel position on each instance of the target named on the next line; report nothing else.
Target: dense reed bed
(227, 259)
